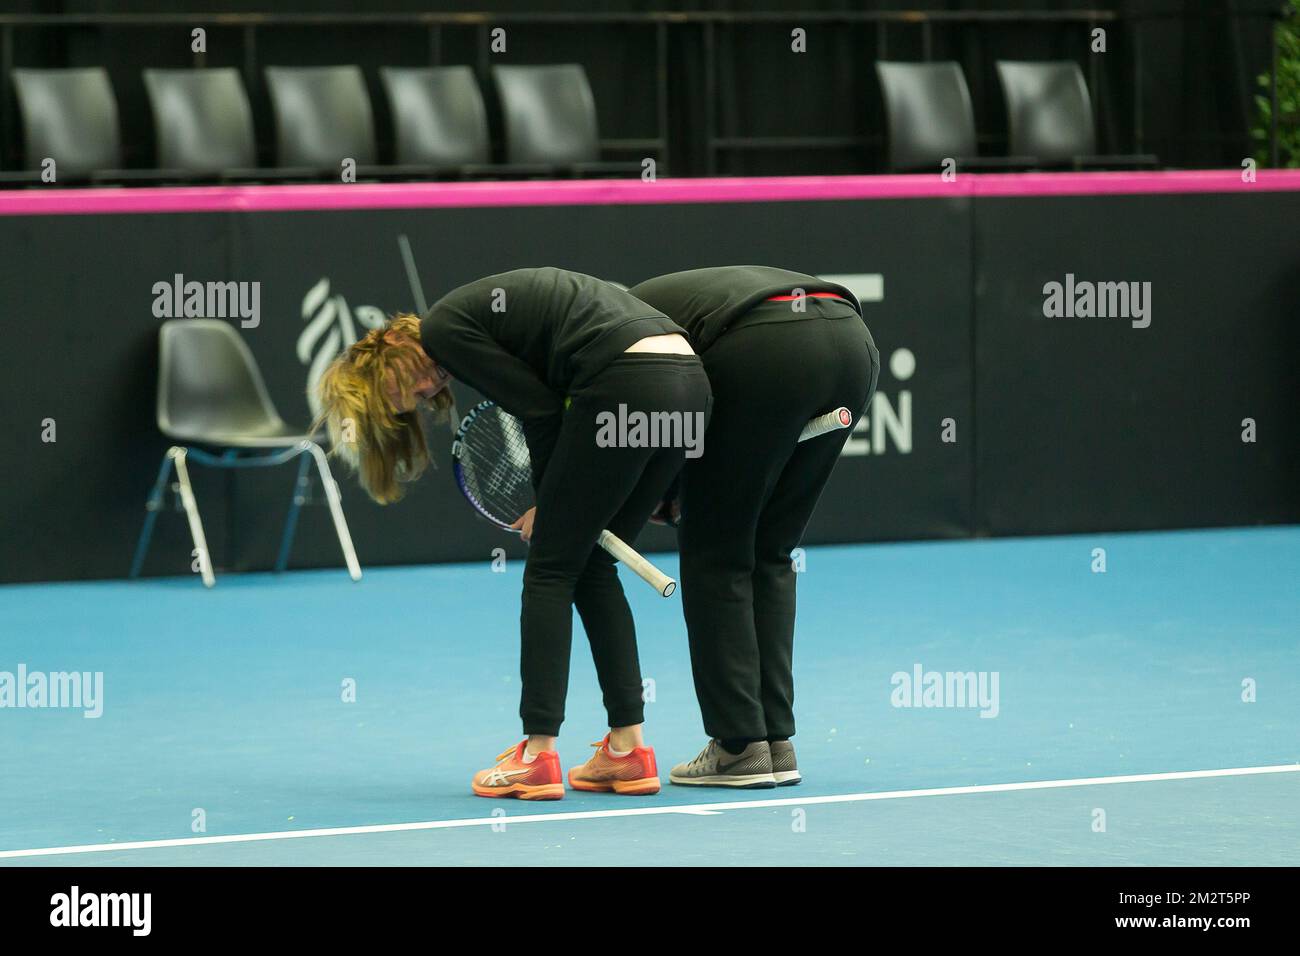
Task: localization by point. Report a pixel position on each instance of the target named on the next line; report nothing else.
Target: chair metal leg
(336, 508)
(153, 505)
(176, 458)
(192, 514)
(300, 487)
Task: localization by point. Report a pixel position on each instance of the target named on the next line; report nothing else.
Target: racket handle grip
(830, 422)
(621, 550)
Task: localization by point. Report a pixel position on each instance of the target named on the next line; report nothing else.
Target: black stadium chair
(211, 394)
(202, 120)
(439, 120)
(930, 118)
(549, 115)
(1049, 116)
(323, 116)
(69, 116)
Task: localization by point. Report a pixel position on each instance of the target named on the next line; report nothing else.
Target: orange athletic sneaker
(538, 779)
(634, 773)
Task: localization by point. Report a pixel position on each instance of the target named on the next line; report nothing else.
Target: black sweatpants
(746, 502)
(587, 488)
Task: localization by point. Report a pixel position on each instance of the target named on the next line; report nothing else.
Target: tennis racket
(494, 472)
(830, 422)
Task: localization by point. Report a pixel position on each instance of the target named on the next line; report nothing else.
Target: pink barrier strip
(37, 202)
(1132, 184)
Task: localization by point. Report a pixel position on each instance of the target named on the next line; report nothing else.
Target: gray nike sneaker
(714, 767)
(784, 768)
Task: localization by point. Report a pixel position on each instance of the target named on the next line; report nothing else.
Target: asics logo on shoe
(499, 777)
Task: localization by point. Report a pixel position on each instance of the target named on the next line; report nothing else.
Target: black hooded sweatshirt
(527, 339)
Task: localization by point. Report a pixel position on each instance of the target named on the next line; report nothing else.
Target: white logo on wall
(888, 421)
(331, 328)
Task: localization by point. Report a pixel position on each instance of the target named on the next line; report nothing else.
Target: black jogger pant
(746, 502)
(587, 488)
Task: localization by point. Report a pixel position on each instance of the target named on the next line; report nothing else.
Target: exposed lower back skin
(663, 344)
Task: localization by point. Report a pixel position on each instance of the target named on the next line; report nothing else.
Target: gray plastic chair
(69, 116)
(929, 112)
(1050, 117)
(439, 119)
(549, 115)
(202, 120)
(211, 393)
(322, 116)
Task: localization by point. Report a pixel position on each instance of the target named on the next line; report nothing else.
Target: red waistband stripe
(814, 295)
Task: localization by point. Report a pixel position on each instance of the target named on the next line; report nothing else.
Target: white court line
(700, 809)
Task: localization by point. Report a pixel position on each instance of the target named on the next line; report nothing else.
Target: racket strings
(495, 466)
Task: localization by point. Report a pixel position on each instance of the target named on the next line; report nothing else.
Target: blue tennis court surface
(232, 703)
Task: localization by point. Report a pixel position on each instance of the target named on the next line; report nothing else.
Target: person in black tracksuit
(556, 349)
(779, 348)
(554, 334)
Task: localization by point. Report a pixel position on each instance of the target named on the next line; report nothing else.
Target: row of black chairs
(204, 124)
(1049, 118)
